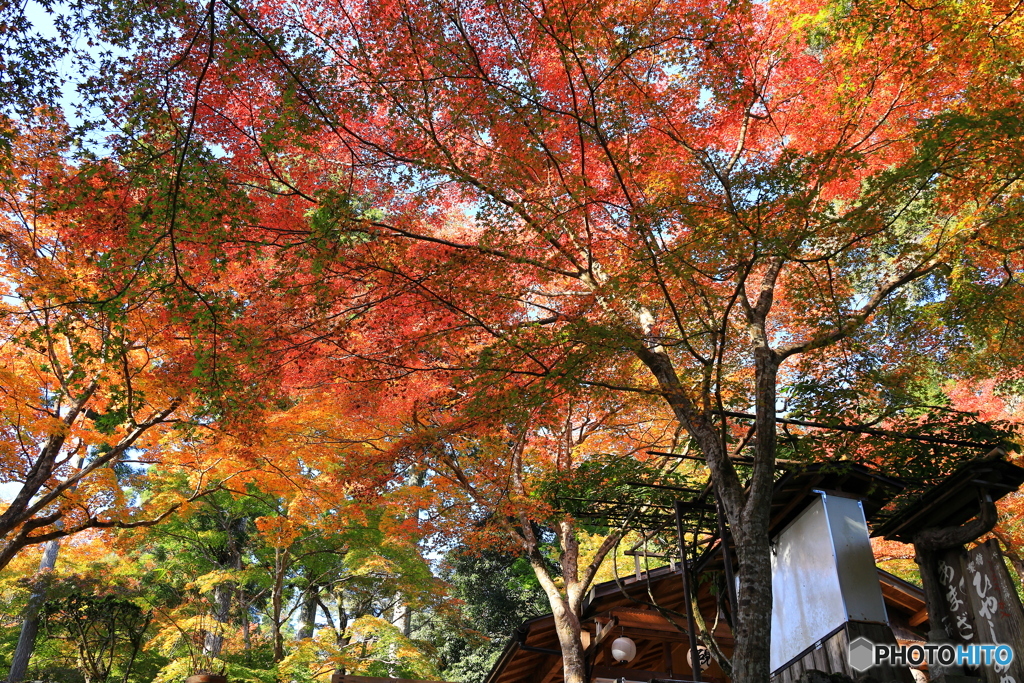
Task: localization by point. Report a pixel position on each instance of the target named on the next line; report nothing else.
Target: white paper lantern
(703, 654)
(623, 649)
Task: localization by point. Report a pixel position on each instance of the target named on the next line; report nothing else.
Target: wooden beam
(370, 679)
(644, 650)
(920, 617)
(659, 636)
(605, 629)
(899, 599)
(619, 672)
(548, 669)
(647, 619)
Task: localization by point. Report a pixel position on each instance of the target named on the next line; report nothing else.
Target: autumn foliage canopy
(435, 256)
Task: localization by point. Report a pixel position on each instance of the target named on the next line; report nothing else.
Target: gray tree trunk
(307, 619)
(214, 641)
(752, 626)
(30, 625)
(747, 511)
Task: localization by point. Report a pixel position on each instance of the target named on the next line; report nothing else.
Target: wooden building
(625, 608)
(827, 590)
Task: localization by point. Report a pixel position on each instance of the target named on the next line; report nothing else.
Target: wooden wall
(830, 655)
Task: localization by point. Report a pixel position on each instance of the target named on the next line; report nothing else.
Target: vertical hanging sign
(996, 607)
(958, 621)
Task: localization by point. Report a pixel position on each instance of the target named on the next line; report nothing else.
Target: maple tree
(90, 395)
(698, 192)
(107, 388)
(693, 201)
(523, 479)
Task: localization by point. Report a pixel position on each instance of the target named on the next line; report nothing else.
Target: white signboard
(823, 575)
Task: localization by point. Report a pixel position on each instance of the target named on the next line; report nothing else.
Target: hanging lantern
(703, 655)
(623, 649)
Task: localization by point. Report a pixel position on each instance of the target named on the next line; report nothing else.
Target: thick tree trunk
(747, 510)
(401, 616)
(343, 620)
(567, 602)
(342, 638)
(566, 611)
(224, 593)
(567, 626)
(403, 613)
(246, 628)
(752, 625)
